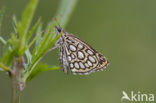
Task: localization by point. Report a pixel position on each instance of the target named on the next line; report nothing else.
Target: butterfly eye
(59, 29)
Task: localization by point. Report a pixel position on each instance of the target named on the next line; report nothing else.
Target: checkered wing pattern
(78, 56)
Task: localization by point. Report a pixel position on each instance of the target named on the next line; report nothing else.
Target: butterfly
(78, 56)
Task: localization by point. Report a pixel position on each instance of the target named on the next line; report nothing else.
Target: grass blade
(3, 41)
(32, 30)
(40, 68)
(27, 16)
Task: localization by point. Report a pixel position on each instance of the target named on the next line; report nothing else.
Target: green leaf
(32, 30)
(33, 41)
(45, 39)
(14, 41)
(6, 48)
(38, 40)
(45, 42)
(39, 32)
(24, 25)
(14, 23)
(2, 40)
(8, 57)
(7, 53)
(4, 68)
(28, 56)
(39, 69)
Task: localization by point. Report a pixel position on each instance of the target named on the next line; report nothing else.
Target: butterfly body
(78, 56)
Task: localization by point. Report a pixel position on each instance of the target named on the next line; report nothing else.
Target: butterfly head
(60, 30)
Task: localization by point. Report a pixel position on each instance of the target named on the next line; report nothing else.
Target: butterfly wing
(81, 58)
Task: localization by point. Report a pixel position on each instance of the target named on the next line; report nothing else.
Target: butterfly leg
(51, 49)
(65, 64)
(57, 44)
(63, 60)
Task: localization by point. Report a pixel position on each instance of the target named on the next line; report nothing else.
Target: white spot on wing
(81, 65)
(72, 47)
(73, 56)
(90, 52)
(80, 55)
(80, 46)
(76, 65)
(91, 59)
(69, 58)
(89, 63)
(86, 65)
(71, 65)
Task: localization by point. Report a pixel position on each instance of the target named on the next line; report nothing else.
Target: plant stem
(16, 84)
(15, 91)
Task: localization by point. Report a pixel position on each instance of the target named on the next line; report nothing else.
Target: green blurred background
(123, 30)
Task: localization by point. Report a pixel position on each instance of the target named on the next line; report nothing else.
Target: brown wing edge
(103, 62)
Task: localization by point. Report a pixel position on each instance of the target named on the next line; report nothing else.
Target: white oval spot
(80, 55)
(80, 46)
(86, 65)
(73, 56)
(76, 65)
(81, 65)
(90, 52)
(71, 65)
(89, 63)
(91, 59)
(69, 58)
(72, 47)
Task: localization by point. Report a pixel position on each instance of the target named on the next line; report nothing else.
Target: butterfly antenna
(57, 22)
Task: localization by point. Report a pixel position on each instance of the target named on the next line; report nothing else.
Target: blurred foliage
(124, 31)
(23, 38)
(39, 69)
(21, 41)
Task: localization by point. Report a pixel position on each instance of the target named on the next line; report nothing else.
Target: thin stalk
(16, 84)
(16, 93)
